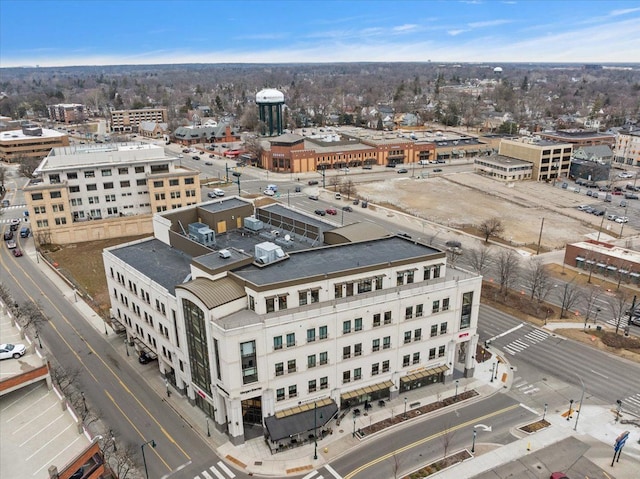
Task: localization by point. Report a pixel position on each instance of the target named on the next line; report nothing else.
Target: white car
(622, 219)
(269, 192)
(216, 192)
(12, 351)
(11, 244)
(625, 175)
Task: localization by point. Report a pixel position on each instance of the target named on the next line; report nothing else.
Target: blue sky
(94, 32)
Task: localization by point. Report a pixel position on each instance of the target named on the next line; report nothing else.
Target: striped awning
(303, 407)
(365, 390)
(424, 374)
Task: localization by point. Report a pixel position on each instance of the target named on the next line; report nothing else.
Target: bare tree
(347, 188)
(569, 295)
(27, 166)
(30, 315)
(446, 437)
(479, 259)
(591, 294)
(619, 306)
(538, 280)
(64, 379)
(395, 466)
(508, 269)
(491, 227)
(335, 181)
(3, 177)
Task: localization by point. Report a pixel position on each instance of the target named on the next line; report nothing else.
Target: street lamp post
(575, 428)
(570, 409)
(208, 431)
(405, 408)
(618, 410)
(315, 431)
(473, 444)
(113, 440)
(497, 366)
(126, 345)
(544, 414)
(354, 425)
(493, 367)
(595, 321)
(144, 460)
(457, 382)
(166, 384)
(84, 401)
(38, 338)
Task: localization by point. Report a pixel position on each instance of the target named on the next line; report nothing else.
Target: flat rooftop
(108, 154)
(623, 254)
(504, 160)
(16, 135)
(336, 259)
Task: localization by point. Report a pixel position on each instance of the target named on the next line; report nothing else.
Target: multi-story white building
(125, 121)
(627, 149)
(94, 182)
(257, 325)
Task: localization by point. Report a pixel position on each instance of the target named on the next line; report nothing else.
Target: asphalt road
(545, 362)
(407, 448)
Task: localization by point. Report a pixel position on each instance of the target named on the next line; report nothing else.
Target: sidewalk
(596, 424)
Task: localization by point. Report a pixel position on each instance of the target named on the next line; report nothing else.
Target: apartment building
(67, 112)
(123, 184)
(30, 141)
(550, 160)
(260, 315)
(627, 149)
(128, 121)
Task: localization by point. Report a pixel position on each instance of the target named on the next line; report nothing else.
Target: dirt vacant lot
(463, 199)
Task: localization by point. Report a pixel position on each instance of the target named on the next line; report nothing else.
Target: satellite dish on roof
(287, 237)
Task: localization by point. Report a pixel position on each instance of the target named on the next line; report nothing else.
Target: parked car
(364, 204)
(441, 161)
(597, 212)
(623, 203)
(144, 358)
(320, 212)
(403, 170)
(17, 252)
(208, 163)
(582, 207)
(313, 197)
(611, 217)
(212, 156)
(196, 157)
(217, 192)
(298, 189)
(356, 201)
(391, 165)
(269, 192)
(15, 351)
(367, 167)
(589, 193)
(312, 182)
(13, 227)
(621, 219)
(437, 170)
(631, 196)
(347, 208)
(186, 150)
(11, 244)
(331, 211)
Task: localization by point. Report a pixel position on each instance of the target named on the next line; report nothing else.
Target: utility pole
(540, 237)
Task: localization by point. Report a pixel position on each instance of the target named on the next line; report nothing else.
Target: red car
(558, 475)
(17, 252)
(331, 211)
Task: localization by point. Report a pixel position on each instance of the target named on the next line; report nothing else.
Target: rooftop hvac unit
(253, 224)
(201, 233)
(268, 252)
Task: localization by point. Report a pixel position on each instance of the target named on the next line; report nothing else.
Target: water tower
(270, 103)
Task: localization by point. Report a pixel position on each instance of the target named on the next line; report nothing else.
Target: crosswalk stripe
(227, 471)
(217, 474)
(332, 471)
(207, 475)
(310, 475)
(531, 391)
(521, 343)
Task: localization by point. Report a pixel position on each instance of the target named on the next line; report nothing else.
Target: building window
(55, 194)
(158, 184)
(195, 329)
(416, 358)
(378, 282)
(445, 304)
(346, 377)
(427, 273)
(443, 328)
(189, 181)
(315, 295)
(357, 374)
(436, 271)
(436, 306)
(302, 298)
(174, 183)
(408, 312)
(346, 352)
(92, 187)
(407, 337)
(357, 349)
(90, 174)
(346, 327)
(399, 278)
(418, 311)
(291, 340)
(312, 385)
(324, 382)
(123, 171)
(139, 169)
(375, 369)
(434, 330)
(249, 362)
(375, 345)
(271, 305)
(280, 394)
(441, 351)
(291, 366)
(465, 316)
(72, 175)
(277, 342)
(141, 182)
(417, 335)
(385, 366)
(324, 358)
(279, 369)
(337, 290)
(105, 172)
(410, 275)
(365, 285)
(357, 324)
(311, 361)
(36, 196)
(406, 360)
(387, 317)
(74, 189)
(323, 332)
(293, 391)
(311, 335)
(282, 302)
(386, 342)
(376, 320)
(252, 303)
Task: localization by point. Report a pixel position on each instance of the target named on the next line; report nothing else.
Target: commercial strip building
(128, 121)
(42, 435)
(30, 141)
(260, 315)
(549, 159)
(192, 135)
(120, 184)
(67, 112)
(503, 168)
(618, 264)
(627, 150)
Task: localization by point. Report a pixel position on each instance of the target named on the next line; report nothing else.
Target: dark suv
(8, 235)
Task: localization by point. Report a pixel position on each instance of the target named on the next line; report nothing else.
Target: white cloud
(489, 23)
(453, 33)
(406, 28)
(617, 13)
